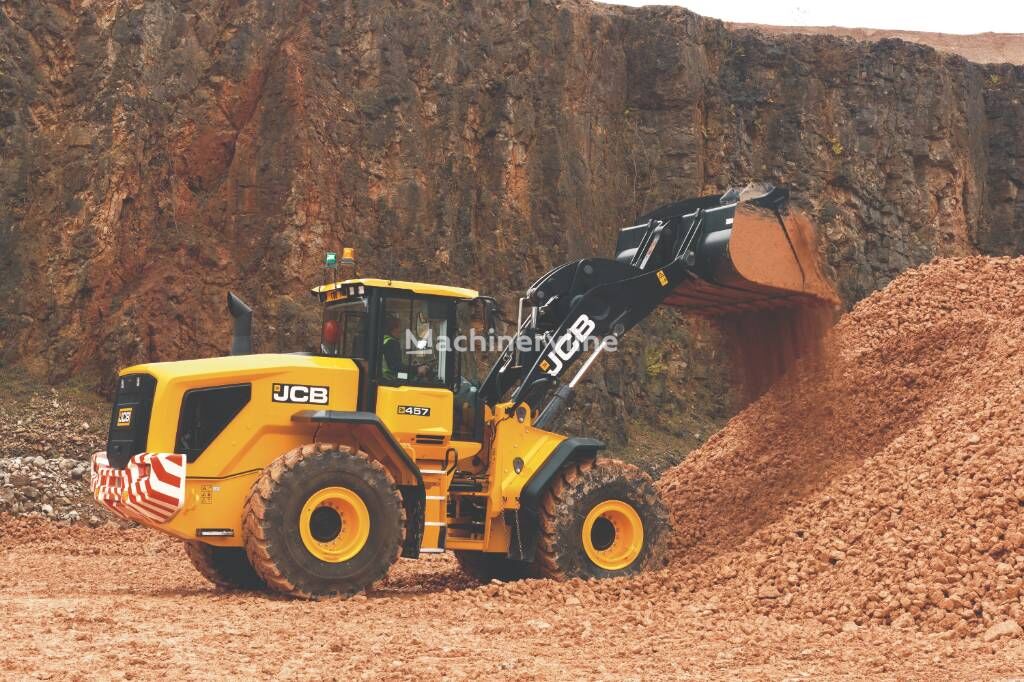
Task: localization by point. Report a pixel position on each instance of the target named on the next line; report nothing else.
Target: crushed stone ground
(862, 519)
(111, 603)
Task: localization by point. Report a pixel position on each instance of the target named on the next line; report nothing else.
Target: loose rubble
(51, 423)
(883, 482)
(46, 438)
(55, 488)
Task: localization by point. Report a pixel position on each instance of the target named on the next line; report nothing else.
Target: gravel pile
(46, 438)
(55, 488)
(882, 482)
(52, 424)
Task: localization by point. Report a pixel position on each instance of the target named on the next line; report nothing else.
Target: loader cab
(415, 373)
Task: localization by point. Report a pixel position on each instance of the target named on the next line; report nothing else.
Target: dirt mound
(46, 437)
(883, 483)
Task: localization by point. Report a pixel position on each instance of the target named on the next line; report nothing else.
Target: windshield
(343, 333)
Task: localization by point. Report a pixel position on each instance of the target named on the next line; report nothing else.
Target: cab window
(475, 357)
(414, 345)
(474, 361)
(343, 333)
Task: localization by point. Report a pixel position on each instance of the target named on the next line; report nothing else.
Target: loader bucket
(762, 261)
(751, 252)
(749, 262)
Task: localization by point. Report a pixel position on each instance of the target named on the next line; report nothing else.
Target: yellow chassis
(218, 481)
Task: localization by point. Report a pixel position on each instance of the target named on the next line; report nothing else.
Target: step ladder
(435, 513)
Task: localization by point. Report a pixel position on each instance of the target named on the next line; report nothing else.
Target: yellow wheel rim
(613, 535)
(334, 524)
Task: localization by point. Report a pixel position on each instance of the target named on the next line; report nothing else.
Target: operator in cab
(391, 353)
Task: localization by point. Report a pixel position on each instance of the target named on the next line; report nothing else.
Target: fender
(372, 435)
(569, 450)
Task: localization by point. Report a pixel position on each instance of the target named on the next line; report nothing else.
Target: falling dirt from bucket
(764, 345)
(772, 258)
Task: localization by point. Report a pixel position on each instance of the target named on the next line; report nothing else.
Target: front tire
(323, 520)
(601, 519)
(226, 567)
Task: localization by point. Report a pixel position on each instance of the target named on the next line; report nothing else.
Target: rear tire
(488, 566)
(323, 520)
(601, 519)
(226, 567)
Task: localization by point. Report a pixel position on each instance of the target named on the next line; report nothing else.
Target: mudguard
(528, 516)
(370, 432)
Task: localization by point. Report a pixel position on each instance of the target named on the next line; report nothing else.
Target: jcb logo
(300, 393)
(566, 347)
(124, 416)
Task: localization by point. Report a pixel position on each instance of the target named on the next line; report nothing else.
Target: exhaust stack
(241, 338)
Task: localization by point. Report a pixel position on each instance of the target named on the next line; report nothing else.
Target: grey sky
(976, 16)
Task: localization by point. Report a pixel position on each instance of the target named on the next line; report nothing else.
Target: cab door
(415, 373)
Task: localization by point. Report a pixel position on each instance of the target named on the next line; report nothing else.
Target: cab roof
(336, 290)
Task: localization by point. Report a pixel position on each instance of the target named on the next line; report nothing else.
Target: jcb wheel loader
(311, 473)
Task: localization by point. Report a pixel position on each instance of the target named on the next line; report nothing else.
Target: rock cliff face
(154, 154)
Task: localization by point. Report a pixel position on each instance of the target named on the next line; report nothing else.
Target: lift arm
(574, 307)
(677, 255)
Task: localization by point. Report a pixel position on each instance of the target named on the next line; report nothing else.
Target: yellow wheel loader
(311, 473)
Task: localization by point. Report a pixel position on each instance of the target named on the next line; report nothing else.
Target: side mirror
(491, 316)
(481, 316)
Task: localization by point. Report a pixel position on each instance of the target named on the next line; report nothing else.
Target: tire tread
(556, 555)
(263, 490)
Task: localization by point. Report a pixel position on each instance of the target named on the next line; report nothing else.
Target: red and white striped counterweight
(150, 489)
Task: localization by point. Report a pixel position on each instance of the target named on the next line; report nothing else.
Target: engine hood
(236, 367)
